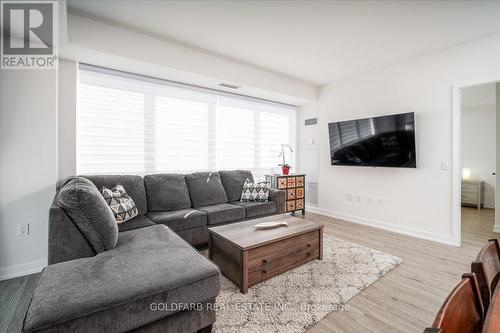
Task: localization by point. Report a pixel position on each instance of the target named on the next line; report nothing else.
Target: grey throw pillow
(120, 202)
(258, 192)
(90, 213)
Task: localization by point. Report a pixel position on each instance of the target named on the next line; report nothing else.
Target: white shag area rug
(297, 299)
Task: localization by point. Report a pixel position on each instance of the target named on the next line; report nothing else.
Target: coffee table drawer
(272, 254)
(283, 262)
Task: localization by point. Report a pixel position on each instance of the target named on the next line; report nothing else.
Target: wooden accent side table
(294, 185)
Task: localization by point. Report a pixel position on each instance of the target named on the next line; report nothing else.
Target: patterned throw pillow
(258, 192)
(120, 202)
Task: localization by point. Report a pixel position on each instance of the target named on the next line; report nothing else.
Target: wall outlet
(358, 198)
(369, 200)
(349, 197)
(23, 229)
(380, 202)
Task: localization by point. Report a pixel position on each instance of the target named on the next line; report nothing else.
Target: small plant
(284, 166)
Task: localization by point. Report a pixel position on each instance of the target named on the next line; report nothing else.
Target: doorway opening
(476, 187)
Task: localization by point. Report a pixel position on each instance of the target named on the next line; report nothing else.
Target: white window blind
(130, 124)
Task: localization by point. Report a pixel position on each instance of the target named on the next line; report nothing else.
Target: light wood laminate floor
(404, 300)
(408, 297)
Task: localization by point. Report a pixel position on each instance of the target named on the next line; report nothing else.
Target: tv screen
(387, 141)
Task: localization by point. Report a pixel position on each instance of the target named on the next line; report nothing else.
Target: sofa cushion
(140, 221)
(233, 181)
(255, 209)
(222, 213)
(90, 213)
(113, 291)
(205, 188)
(195, 236)
(166, 192)
(180, 219)
(133, 184)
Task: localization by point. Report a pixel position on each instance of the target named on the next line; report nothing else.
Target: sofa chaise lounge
(104, 277)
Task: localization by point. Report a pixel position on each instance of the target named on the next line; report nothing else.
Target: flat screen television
(386, 141)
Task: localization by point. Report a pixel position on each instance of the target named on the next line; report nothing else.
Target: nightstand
(472, 193)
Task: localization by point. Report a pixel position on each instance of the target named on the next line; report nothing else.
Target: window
(130, 124)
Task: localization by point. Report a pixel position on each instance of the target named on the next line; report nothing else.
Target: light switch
(444, 165)
(311, 141)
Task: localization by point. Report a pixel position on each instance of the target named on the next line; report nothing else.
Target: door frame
(456, 175)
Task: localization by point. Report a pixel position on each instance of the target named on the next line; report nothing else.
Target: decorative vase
(285, 169)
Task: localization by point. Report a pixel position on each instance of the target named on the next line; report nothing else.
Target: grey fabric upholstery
(113, 291)
(140, 221)
(166, 192)
(134, 185)
(182, 322)
(205, 188)
(180, 219)
(222, 213)
(278, 196)
(195, 236)
(233, 181)
(82, 202)
(256, 209)
(65, 240)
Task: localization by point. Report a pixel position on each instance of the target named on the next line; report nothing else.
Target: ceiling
(314, 41)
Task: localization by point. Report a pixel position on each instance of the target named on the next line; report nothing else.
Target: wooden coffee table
(248, 256)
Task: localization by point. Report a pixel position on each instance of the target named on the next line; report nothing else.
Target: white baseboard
(496, 228)
(13, 271)
(385, 226)
(489, 205)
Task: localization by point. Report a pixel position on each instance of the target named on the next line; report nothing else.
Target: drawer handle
(308, 254)
(264, 272)
(308, 245)
(264, 261)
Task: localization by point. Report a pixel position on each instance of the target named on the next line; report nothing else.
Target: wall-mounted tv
(386, 141)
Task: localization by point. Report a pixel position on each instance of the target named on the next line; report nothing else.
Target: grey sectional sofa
(104, 277)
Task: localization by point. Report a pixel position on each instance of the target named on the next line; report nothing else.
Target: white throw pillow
(120, 202)
(258, 192)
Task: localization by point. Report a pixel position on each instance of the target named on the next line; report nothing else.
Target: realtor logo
(28, 35)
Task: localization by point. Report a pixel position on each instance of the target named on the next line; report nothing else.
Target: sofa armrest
(278, 196)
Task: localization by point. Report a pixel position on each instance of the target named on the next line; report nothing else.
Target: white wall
(123, 48)
(28, 167)
(67, 77)
(479, 140)
(413, 201)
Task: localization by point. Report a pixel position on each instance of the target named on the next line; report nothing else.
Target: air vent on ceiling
(311, 121)
(229, 85)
